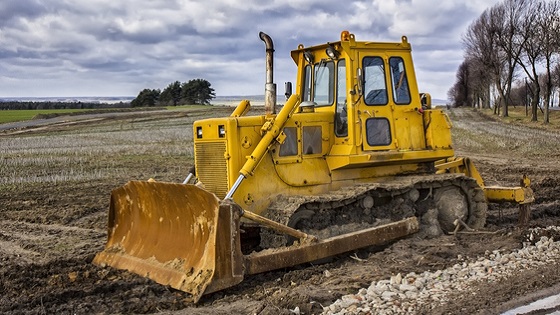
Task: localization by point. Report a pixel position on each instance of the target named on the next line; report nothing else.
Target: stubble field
(55, 184)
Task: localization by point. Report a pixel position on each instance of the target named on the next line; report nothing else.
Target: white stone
(388, 295)
(407, 287)
(396, 279)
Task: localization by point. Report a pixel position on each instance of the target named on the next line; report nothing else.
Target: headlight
(199, 132)
(221, 131)
(332, 53)
(308, 56)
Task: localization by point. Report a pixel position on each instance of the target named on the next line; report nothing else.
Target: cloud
(25, 9)
(106, 47)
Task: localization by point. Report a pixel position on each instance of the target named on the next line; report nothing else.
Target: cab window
(375, 87)
(378, 131)
(306, 84)
(324, 83)
(312, 140)
(290, 145)
(401, 92)
(341, 116)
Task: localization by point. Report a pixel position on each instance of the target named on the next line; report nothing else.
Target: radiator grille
(211, 167)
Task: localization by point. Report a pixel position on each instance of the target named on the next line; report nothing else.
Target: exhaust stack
(270, 86)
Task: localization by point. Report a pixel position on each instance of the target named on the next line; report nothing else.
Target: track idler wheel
(452, 204)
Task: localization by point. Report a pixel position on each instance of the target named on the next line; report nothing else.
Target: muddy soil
(49, 234)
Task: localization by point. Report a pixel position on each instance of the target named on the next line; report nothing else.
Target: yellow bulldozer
(355, 157)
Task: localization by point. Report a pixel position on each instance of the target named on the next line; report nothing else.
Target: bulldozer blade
(177, 235)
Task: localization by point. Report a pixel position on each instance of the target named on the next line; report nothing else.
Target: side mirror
(288, 89)
(426, 100)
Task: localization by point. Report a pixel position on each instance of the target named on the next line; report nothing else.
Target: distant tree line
(193, 92)
(512, 55)
(11, 105)
(196, 91)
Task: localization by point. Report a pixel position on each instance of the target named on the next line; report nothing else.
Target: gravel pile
(405, 294)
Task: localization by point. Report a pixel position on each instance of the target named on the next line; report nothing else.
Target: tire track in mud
(47, 269)
(40, 243)
(75, 286)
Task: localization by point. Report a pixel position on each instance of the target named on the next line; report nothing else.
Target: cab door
(388, 112)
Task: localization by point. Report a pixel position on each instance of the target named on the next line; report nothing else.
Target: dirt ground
(50, 232)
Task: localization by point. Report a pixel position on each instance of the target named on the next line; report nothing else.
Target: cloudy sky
(119, 47)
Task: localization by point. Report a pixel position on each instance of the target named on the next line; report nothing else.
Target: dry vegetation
(98, 152)
(55, 185)
(531, 138)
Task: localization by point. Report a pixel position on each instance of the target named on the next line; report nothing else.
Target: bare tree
(519, 93)
(472, 85)
(556, 79)
(510, 35)
(460, 92)
(533, 50)
(549, 25)
(541, 28)
(480, 46)
(544, 78)
(494, 40)
(479, 83)
(508, 18)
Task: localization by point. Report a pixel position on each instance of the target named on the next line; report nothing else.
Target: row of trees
(511, 57)
(196, 91)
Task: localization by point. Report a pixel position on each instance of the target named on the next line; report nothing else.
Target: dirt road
(54, 188)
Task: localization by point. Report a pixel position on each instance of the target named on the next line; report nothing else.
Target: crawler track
(436, 199)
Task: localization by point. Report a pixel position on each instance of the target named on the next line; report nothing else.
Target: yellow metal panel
(438, 129)
(520, 195)
(403, 134)
(409, 129)
(309, 172)
(363, 174)
(459, 165)
(379, 158)
(342, 149)
(257, 191)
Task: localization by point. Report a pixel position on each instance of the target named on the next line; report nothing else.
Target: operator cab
(370, 84)
(322, 82)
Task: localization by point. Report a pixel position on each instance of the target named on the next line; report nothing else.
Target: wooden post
(524, 215)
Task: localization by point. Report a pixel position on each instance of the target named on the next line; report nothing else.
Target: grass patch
(7, 116)
(13, 115)
(187, 107)
(518, 115)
